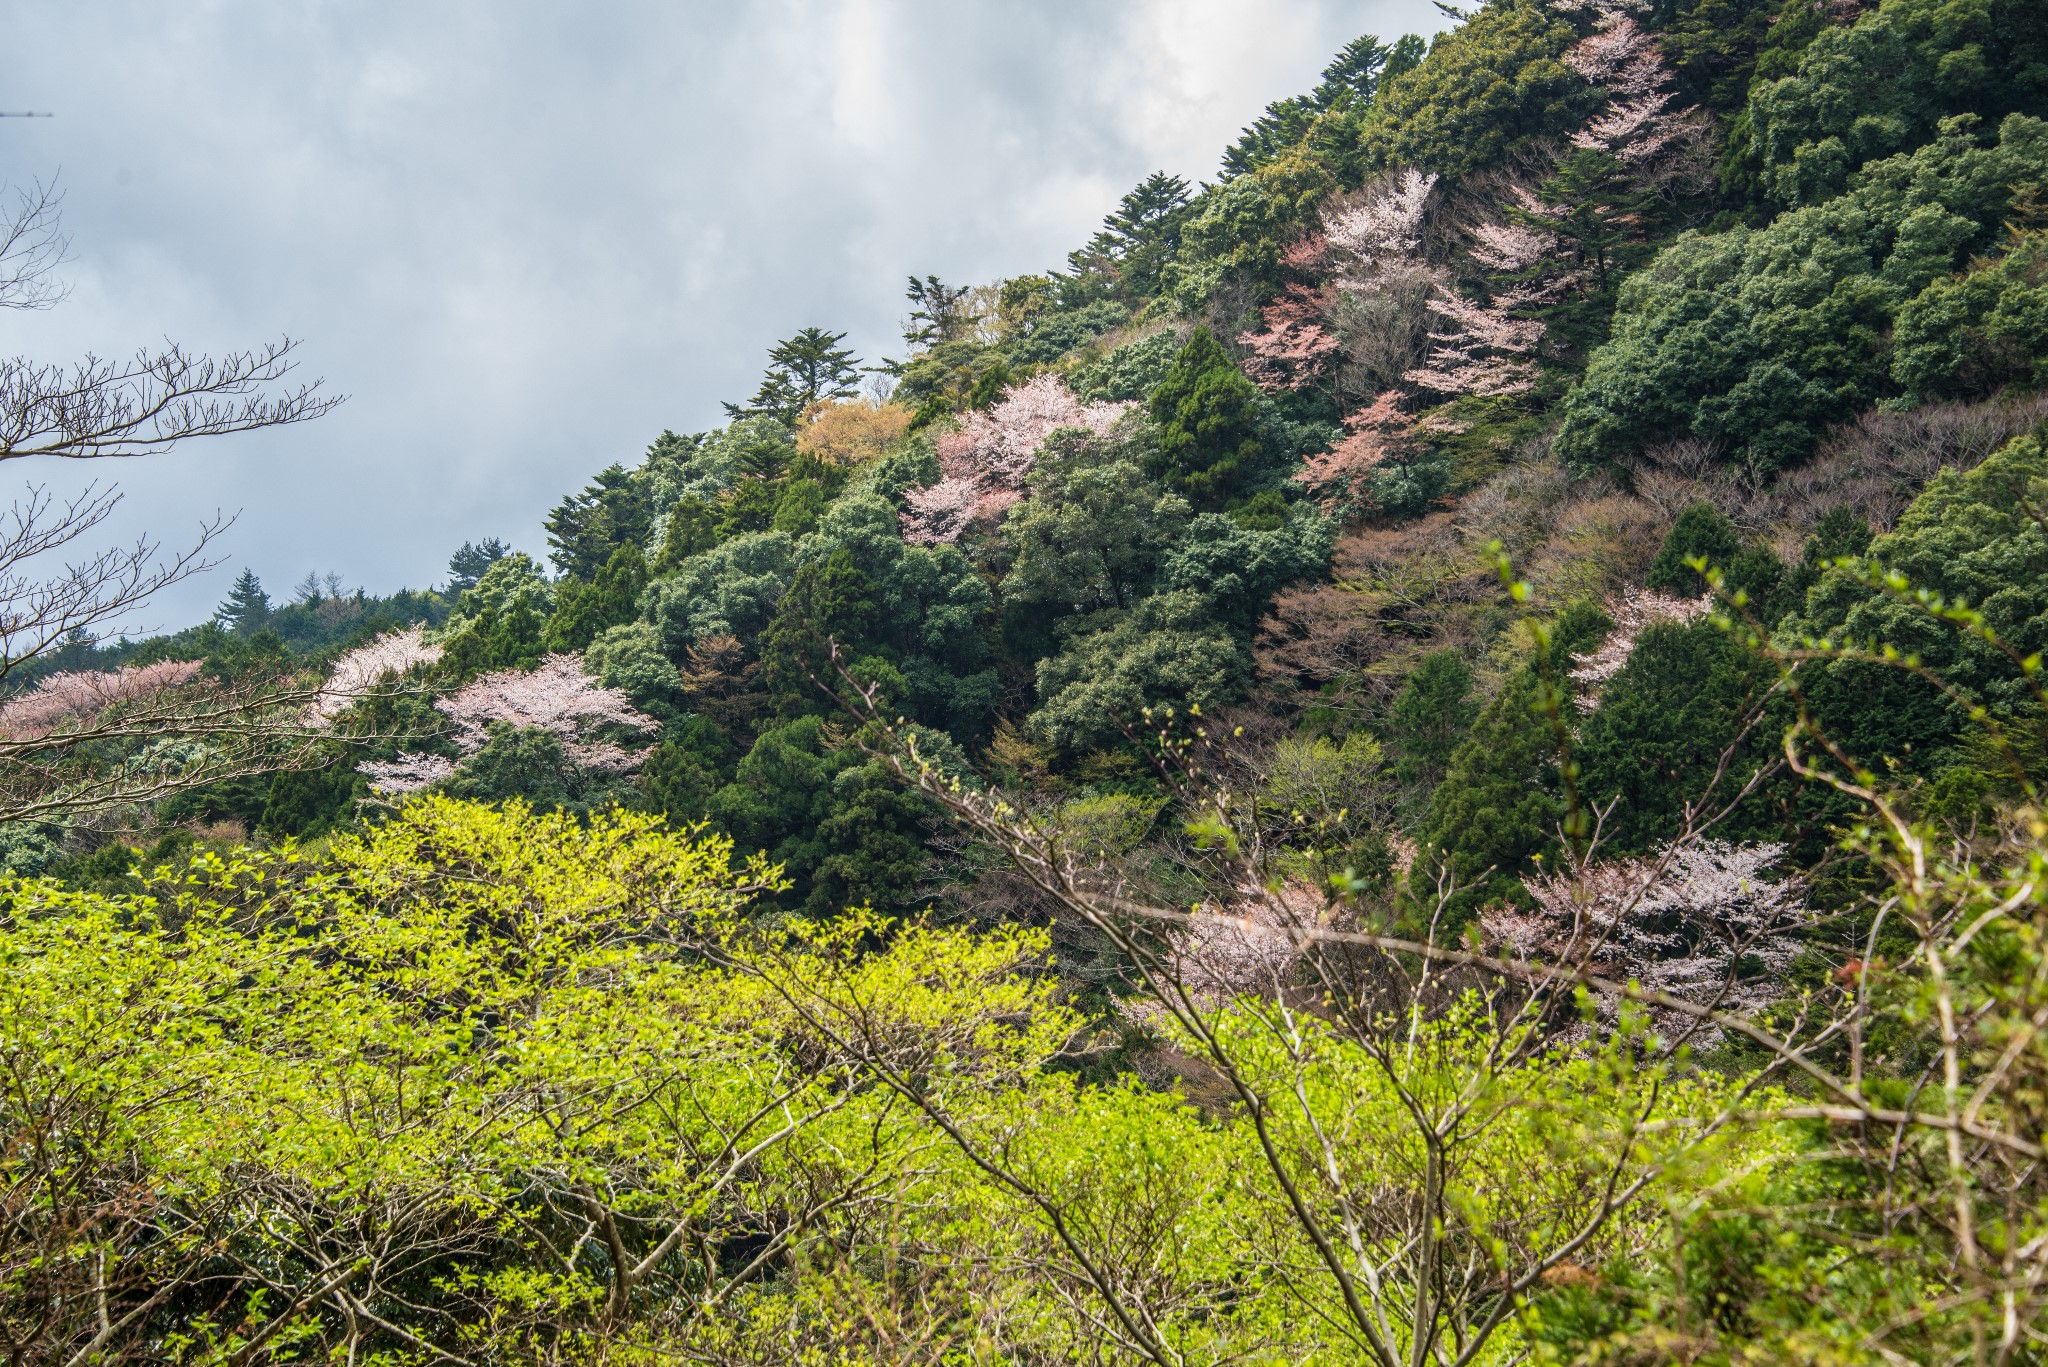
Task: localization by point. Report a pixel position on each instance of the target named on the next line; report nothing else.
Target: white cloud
(526, 237)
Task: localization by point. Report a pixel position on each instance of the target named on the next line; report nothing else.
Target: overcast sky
(524, 238)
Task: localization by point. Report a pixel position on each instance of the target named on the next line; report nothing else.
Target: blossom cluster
(391, 656)
(556, 697)
(1633, 612)
(1700, 923)
(75, 694)
(984, 463)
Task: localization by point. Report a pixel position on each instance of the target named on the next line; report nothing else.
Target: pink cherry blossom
(984, 463)
(77, 694)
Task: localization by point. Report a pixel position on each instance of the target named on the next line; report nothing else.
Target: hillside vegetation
(1424, 754)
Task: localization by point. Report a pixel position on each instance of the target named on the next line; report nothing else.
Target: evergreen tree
(1429, 718)
(1208, 416)
(692, 529)
(584, 529)
(584, 610)
(802, 370)
(470, 561)
(938, 313)
(1140, 235)
(1662, 726)
(829, 600)
(247, 606)
(1700, 532)
(1497, 805)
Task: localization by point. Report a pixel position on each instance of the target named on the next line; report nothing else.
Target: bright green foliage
(1757, 338)
(1882, 84)
(1208, 416)
(1973, 539)
(247, 606)
(1971, 333)
(1429, 717)
(1700, 532)
(1327, 793)
(1165, 652)
(614, 510)
(583, 610)
(1486, 87)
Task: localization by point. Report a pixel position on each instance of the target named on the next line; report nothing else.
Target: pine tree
(1140, 235)
(584, 529)
(247, 607)
(802, 370)
(470, 561)
(1208, 416)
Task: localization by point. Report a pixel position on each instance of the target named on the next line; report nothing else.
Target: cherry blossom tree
(1380, 231)
(358, 672)
(556, 697)
(1633, 612)
(1374, 435)
(1700, 922)
(1639, 126)
(82, 694)
(983, 464)
(1480, 349)
(1295, 348)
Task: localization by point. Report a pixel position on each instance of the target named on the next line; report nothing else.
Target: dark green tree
(938, 313)
(584, 529)
(583, 610)
(829, 600)
(692, 529)
(470, 561)
(1700, 531)
(247, 606)
(1208, 416)
(1429, 718)
(802, 370)
(1656, 741)
(1139, 236)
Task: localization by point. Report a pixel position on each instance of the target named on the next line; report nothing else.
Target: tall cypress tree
(1208, 416)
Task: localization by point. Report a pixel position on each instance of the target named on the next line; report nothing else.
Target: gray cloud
(526, 237)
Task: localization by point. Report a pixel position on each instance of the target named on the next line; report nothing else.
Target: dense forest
(1425, 753)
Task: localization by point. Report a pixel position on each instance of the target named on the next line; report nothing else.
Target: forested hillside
(1425, 753)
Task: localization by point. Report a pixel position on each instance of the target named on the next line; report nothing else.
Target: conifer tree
(1208, 416)
(802, 370)
(247, 606)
